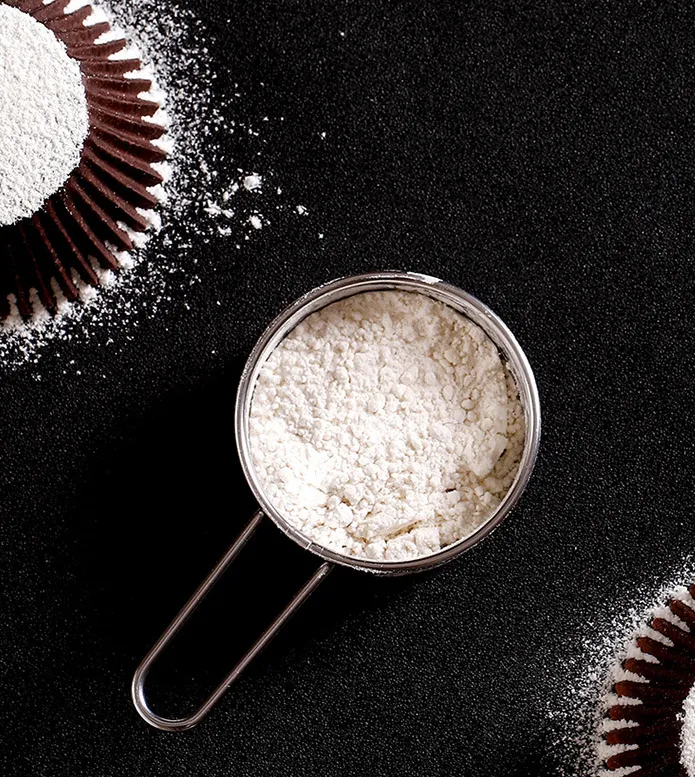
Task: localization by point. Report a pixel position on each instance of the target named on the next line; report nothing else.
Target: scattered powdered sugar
(203, 203)
(211, 195)
(386, 426)
(43, 114)
(589, 674)
(617, 673)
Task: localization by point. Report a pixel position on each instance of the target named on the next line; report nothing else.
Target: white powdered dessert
(43, 114)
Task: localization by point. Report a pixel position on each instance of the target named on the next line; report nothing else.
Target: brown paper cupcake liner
(88, 221)
(655, 709)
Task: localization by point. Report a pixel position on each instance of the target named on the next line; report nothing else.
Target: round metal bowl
(469, 306)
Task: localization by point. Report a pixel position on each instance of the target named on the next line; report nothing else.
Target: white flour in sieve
(43, 114)
(386, 426)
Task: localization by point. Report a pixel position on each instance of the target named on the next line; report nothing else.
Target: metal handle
(138, 684)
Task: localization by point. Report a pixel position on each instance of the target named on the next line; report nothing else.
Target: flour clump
(386, 426)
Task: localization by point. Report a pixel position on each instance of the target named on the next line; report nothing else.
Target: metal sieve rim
(437, 289)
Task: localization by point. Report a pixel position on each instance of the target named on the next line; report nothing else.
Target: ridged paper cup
(109, 196)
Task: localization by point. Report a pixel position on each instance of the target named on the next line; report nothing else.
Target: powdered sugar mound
(384, 426)
(200, 202)
(591, 671)
(43, 114)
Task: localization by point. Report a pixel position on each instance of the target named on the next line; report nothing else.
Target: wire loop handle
(140, 676)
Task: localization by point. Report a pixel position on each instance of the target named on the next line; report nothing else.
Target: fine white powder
(386, 426)
(618, 673)
(208, 203)
(688, 734)
(43, 114)
(578, 691)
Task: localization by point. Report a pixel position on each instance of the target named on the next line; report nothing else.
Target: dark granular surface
(538, 155)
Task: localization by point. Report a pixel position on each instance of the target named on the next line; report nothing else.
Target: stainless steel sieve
(520, 369)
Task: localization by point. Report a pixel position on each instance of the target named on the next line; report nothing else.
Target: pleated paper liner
(92, 217)
(654, 702)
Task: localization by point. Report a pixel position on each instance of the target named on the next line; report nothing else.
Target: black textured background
(539, 155)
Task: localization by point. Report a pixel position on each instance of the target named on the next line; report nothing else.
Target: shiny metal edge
(456, 298)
